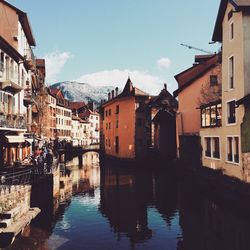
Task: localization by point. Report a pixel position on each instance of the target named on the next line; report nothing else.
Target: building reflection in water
(124, 201)
(151, 209)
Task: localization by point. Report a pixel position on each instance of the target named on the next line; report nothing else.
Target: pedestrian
(49, 160)
(41, 161)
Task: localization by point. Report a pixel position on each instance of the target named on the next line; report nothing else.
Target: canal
(123, 208)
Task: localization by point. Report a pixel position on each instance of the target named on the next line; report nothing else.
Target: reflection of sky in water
(56, 241)
(64, 224)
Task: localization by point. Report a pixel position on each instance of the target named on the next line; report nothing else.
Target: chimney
(165, 86)
(116, 91)
(109, 96)
(113, 94)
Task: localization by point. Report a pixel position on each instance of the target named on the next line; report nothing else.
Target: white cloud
(55, 62)
(164, 63)
(116, 77)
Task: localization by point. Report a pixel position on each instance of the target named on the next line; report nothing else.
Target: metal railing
(15, 178)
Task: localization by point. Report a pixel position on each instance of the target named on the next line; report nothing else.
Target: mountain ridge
(78, 91)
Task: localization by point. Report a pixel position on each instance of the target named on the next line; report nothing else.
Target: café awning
(15, 138)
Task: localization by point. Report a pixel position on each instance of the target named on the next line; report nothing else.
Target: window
(231, 112)
(233, 149)
(231, 72)
(117, 109)
(109, 111)
(216, 147)
(117, 144)
(213, 80)
(230, 14)
(211, 115)
(117, 123)
(212, 147)
(231, 31)
(106, 112)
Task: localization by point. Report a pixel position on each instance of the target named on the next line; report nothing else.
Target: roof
(76, 105)
(8, 49)
(129, 90)
(54, 91)
(163, 113)
(245, 100)
(187, 77)
(237, 4)
(164, 95)
(23, 18)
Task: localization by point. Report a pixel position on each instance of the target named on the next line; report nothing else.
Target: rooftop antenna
(192, 47)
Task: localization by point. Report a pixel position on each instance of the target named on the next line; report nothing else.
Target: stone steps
(8, 234)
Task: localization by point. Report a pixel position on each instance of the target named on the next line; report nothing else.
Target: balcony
(12, 122)
(30, 60)
(27, 96)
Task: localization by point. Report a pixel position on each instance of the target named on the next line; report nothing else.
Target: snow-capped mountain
(77, 91)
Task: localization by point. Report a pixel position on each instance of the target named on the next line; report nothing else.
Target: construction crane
(202, 50)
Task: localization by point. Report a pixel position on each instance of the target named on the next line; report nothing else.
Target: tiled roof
(128, 90)
(54, 91)
(76, 105)
(187, 77)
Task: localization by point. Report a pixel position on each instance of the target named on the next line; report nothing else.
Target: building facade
(162, 111)
(123, 123)
(198, 86)
(227, 147)
(63, 116)
(16, 62)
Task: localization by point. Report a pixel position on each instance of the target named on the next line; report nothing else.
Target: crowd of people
(42, 159)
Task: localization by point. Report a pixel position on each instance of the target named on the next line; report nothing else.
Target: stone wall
(246, 166)
(15, 199)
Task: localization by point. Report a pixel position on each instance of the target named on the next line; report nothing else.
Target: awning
(30, 140)
(13, 87)
(15, 138)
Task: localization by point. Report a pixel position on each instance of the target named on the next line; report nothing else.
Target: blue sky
(101, 41)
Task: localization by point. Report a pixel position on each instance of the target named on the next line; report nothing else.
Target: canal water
(123, 208)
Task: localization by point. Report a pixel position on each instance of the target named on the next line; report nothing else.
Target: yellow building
(123, 123)
(227, 147)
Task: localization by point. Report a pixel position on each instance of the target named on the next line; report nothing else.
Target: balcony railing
(12, 121)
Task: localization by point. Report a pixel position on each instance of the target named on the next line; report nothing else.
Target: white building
(94, 120)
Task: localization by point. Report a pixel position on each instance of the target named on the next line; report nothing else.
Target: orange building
(123, 123)
(197, 86)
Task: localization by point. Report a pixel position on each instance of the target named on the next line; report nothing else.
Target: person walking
(49, 161)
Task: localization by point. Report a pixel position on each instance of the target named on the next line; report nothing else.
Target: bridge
(90, 148)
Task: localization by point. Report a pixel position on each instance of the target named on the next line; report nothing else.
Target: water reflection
(123, 208)
(124, 201)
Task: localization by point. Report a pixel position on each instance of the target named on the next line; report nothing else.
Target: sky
(102, 42)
